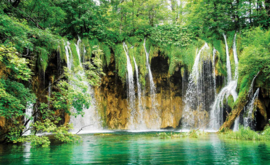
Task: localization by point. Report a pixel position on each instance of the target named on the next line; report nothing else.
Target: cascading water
(156, 120)
(152, 84)
(90, 121)
(250, 91)
(84, 53)
(235, 57)
(250, 110)
(28, 115)
(140, 119)
(78, 49)
(214, 73)
(228, 63)
(237, 120)
(216, 116)
(138, 80)
(131, 91)
(200, 93)
(236, 124)
(67, 48)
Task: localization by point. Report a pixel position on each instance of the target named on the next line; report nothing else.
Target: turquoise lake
(140, 148)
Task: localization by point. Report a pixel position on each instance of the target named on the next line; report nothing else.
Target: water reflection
(140, 149)
(27, 153)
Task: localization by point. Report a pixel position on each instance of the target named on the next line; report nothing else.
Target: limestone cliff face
(113, 105)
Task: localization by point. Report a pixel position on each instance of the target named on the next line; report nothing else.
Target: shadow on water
(140, 148)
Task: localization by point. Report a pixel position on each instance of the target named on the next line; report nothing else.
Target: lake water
(140, 148)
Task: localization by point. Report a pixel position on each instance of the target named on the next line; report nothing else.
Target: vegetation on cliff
(247, 134)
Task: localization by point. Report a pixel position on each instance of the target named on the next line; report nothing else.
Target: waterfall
(130, 81)
(28, 115)
(78, 50)
(250, 109)
(67, 48)
(216, 115)
(138, 80)
(200, 93)
(152, 84)
(155, 117)
(131, 91)
(235, 57)
(140, 119)
(228, 63)
(214, 74)
(90, 121)
(250, 91)
(236, 124)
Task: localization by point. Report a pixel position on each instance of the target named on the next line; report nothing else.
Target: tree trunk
(235, 112)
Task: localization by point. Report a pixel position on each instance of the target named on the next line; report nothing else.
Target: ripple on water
(140, 148)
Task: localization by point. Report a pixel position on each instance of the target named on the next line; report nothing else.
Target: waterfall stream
(131, 91)
(228, 63)
(200, 93)
(236, 124)
(155, 117)
(28, 115)
(130, 81)
(140, 115)
(78, 50)
(216, 116)
(214, 73)
(235, 57)
(152, 84)
(67, 48)
(90, 121)
(250, 110)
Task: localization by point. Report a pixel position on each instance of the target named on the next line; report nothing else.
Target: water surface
(140, 148)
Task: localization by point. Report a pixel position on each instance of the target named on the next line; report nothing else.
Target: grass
(247, 134)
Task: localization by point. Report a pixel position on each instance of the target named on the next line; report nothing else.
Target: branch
(83, 128)
(29, 18)
(59, 78)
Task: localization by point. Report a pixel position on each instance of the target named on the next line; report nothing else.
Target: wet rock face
(113, 104)
(262, 115)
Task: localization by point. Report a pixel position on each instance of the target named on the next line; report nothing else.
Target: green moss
(93, 42)
(244, 88)
(221, 57)
(230, 37)
(107, 53)
(74, 56)
(120, 61)
(139, 54)
(88, 49)
(230, 101)
(134, 41)
(42, 58)
(175, 58)
(61, 49)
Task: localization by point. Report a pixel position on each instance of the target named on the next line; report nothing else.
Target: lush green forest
(34, 31)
